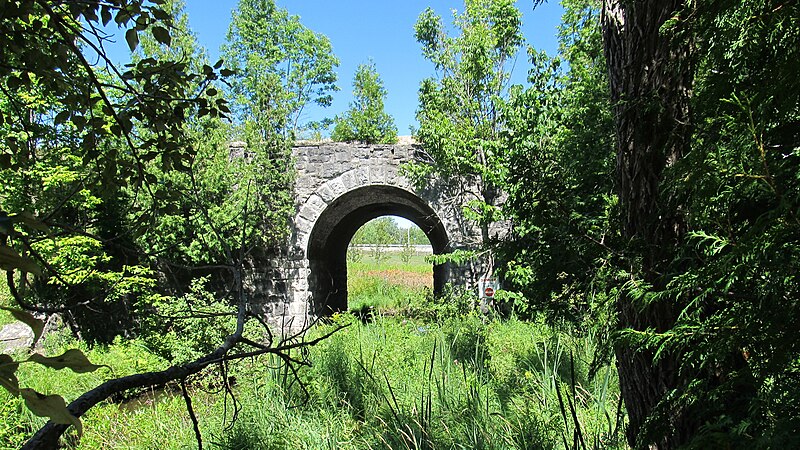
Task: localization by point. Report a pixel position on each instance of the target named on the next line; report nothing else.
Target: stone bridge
(339, 188)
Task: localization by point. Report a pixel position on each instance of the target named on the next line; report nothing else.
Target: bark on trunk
(650, 76)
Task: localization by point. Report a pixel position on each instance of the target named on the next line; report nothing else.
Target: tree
(380, 231)
(650, 82)
(94, 158)
(77, 133)
(695, 251)
(561, 196)
(366, 121)
(231, 205)
(737, 188)
(686, 166)
(281, 66)
(460, 112)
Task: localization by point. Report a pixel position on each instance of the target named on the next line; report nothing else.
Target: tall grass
(391, 284)
(447, 379)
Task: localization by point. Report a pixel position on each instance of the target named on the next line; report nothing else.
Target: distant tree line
(386, 231)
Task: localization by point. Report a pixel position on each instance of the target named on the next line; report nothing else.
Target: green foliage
(122, 358)
(407, 251)
(740, 189)
(451, 304)
(466, 338)
(354, 254)
(223, 203)
(49, 74)
(229, 198)
(561, 195)
(366, 120)
(462, 382)
(384, 231)
(380, 231)
(389, 286)
(280, 67)
(76, 134)
(119, 178)
(731, 275)
(460, 112)
(80, 140)
(20, 390)
(378, 254)
(182, 329)
(456, 256)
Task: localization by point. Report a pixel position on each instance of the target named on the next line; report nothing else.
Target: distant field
(387, 282)
(393, 270)
(416, 263)
(372, 265)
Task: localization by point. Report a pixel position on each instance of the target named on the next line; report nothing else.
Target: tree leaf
(51, 406)
(27, 318)
(132, 36)
(162, 35)
(105, 14)
(62, 117)
(8, 378)
(10, 260)
(73, 359)
(30, 221)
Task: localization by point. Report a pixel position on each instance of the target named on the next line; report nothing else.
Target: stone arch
(338, 188)
(337, 223)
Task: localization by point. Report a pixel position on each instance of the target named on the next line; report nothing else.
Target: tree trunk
(650, 77)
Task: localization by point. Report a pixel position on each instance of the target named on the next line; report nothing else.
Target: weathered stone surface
(14, 336)
(339, 188)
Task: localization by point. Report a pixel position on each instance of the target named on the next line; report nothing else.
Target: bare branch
(188, 399)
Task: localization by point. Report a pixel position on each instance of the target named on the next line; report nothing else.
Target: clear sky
(379, 29)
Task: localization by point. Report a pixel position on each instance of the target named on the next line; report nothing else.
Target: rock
(15, 336)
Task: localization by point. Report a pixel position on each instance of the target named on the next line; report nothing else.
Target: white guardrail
(394, 248)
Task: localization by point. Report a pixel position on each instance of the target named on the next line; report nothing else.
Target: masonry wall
(326, 173)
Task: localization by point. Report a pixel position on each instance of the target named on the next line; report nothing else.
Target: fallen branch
(47, 437)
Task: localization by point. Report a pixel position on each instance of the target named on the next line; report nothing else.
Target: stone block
(343, 157)
(317, 203)
(326, 193)
(309, 213)
(376, 175)
(361, 175)
(303, 226)
(349, 181)
(278, 306)
(337, 187)
(329, 171)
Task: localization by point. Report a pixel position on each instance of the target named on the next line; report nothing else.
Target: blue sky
(378, 29)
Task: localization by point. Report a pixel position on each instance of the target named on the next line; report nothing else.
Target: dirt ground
(403, 278)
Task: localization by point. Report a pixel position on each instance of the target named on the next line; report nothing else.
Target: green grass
(430, 375)
(388, 285)
(392, 261)
(6, 301)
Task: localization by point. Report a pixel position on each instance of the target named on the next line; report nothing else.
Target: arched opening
(332, 232)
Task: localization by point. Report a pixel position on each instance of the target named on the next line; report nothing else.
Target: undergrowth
(421, 373)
